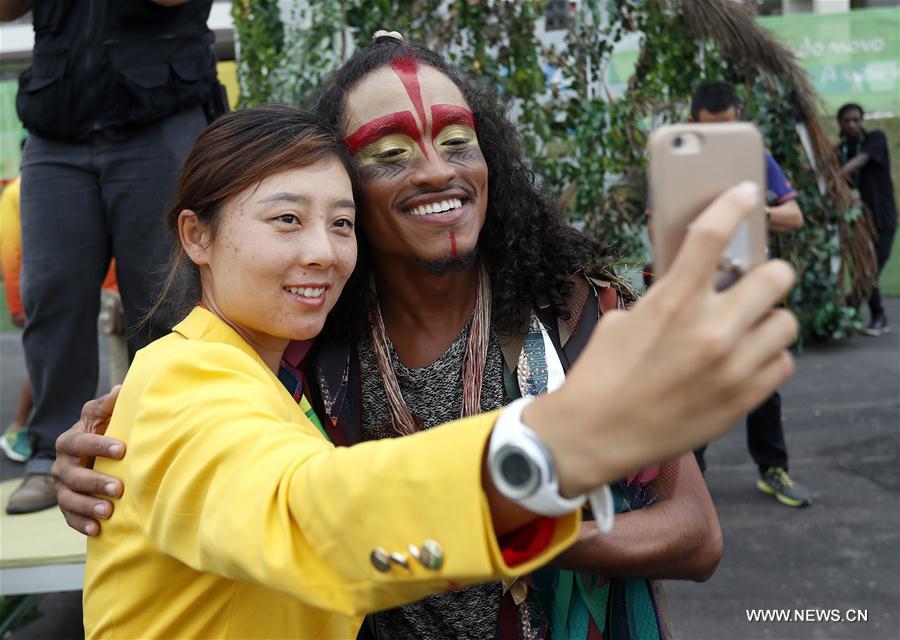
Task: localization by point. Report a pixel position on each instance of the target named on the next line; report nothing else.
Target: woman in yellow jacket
(241, 520)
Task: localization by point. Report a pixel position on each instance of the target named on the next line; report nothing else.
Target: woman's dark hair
(526, 246)
(237, 151)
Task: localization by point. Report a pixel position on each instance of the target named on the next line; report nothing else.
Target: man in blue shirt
(718, 102)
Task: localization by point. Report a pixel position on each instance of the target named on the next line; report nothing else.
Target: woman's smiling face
(281, 254)
(423, 179)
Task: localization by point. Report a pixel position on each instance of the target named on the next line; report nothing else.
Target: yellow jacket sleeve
(228, 476)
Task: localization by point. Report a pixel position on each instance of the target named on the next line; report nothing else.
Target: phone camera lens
(677, 142)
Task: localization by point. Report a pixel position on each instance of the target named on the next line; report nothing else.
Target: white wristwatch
(523, 471)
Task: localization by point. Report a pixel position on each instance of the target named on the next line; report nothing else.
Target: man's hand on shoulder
(76, 481)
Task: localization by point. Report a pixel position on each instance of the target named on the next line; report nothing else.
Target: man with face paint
(472, 291)
(471, 303)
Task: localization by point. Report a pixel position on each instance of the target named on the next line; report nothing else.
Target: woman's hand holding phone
(692, 164)
(677, 369)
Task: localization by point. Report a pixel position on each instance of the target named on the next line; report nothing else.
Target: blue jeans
(81, 205)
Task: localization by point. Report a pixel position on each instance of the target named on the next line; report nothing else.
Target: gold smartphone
(690, 166)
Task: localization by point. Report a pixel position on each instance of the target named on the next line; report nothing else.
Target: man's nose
(434, 171)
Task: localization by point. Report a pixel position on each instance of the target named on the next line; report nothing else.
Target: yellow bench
(39, 553)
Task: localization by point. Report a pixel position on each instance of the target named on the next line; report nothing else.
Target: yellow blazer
(239, 520)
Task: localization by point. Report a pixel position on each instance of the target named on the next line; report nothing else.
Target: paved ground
(842, 424)
(842, 419)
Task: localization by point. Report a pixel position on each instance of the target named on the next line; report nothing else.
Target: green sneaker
(775, 481)
(14, 443)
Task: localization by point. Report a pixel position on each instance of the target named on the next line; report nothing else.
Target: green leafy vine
(587, 144)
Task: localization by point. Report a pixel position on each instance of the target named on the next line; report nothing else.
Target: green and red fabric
(562, 604)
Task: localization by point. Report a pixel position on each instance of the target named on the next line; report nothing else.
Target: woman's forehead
(401, 87)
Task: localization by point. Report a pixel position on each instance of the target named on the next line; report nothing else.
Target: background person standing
(718, 102)
(867, 166)
(14, 441)
(116, 94)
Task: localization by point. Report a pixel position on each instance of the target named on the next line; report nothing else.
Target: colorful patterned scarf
(567, 605)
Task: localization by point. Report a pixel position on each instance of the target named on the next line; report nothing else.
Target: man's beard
(450, 264)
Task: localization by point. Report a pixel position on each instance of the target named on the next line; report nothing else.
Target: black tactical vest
(113, 65)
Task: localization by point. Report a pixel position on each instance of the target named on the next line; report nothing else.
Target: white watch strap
(601, 501)
(546, 500)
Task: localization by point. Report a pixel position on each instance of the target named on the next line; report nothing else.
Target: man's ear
(194, 236)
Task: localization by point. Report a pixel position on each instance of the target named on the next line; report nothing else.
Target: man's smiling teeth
(306, 292)
(437, 207)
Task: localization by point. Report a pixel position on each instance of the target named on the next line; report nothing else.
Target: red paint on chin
(399, 122)
(443, 115)
(407, 69)
(453, 252)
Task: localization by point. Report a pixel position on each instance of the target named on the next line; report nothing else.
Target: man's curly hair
(526, 246)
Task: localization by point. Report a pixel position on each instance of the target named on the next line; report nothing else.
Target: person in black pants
(765, 440)
(718, 102)
(867, 166)
(116, 94)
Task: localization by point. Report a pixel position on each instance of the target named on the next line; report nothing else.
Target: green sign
(10, 130)
(850, 57)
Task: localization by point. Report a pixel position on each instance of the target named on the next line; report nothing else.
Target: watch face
(518, 472)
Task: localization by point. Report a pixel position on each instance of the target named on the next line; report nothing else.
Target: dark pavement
(842, 424)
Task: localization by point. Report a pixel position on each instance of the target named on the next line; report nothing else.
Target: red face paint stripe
(453, 253)
(443, 115)
(399, 122)
(407, 69)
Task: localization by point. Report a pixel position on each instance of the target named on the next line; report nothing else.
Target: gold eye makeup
(455, 137)
(395, 147)
(388, 143)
